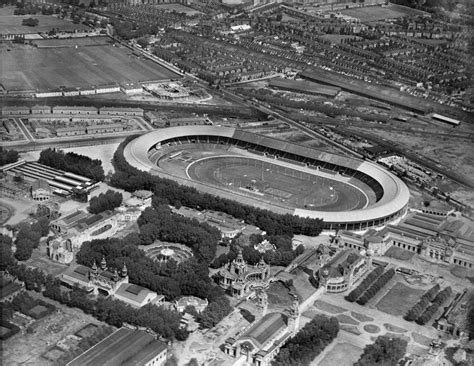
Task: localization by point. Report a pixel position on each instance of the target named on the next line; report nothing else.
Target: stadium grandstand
(390, 194)
(62, 183)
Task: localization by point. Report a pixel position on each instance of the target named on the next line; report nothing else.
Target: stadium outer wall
(392, 196)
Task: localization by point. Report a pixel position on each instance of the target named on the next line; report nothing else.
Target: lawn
(374, 13)
(25, 67)
(12, 24)
(329, 308)
(342, 354)
(399, 299)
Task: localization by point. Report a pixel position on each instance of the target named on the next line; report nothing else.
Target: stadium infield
(276, 183)
(26, 67)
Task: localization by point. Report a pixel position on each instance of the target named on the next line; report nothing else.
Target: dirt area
(40, 260)
(455, 154)
(27, 348)
(399, 253)
(22, 208)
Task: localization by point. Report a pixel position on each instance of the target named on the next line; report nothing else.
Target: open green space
(399, 299)
(330, 308)
(361, 317)
(342, 354)
(273, 182)
(374, 13)
(12, 24)
(25, 67)
(346, 319)
(371, 328)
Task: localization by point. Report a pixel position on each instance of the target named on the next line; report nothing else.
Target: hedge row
(433, 308)
(364, 285)
(417, 309)
(376, 287)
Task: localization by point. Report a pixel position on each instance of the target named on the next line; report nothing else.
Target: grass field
(374, 13)
(276, 183)
(342, 354)
(25, 67)
(399, 299)
(11, 24)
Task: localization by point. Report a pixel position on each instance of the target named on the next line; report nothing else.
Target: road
(23, 128)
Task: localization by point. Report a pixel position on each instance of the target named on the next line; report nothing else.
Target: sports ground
(273, 174)
(26, 67)
(276, 183)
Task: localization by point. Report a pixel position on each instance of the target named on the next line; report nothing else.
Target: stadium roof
(395, 192)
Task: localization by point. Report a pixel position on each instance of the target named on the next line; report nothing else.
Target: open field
(11, 24)
(342, 354)
(399, 299)
(374, 13)
(276, 183)
(26, 67)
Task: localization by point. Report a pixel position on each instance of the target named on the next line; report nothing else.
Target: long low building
(439, 239)
(391, 194)
(124, 347)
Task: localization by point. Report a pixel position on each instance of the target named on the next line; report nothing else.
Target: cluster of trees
(435, 305)
(160, 223)
(105, 201)
(6, 253)
(424, 301)
(282, 256)
(162, 321)
(214, 313)
(364, 285)
(189, 278)
(30, 22)
(384, 351)
(8, 156)
(114, 312)
(72, 162)
(171, 193)
(376, 287)
(247, 315)
(309, 342)
(470, 317)
(29, 236)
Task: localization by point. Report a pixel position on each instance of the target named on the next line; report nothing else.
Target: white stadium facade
(391, 194)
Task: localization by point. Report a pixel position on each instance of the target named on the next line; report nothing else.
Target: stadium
(280, 176)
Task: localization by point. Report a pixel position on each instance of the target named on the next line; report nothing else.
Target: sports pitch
(26, 67)
(375, 13)
(267, 181)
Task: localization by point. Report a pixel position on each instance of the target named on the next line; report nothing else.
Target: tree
(309, 342)
(30, 22)
(6, 254)
(105, 201)
(72, 162)
(384, 351)
(8, 156)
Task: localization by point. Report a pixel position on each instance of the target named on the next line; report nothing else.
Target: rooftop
(266, 328)
(124, 347)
